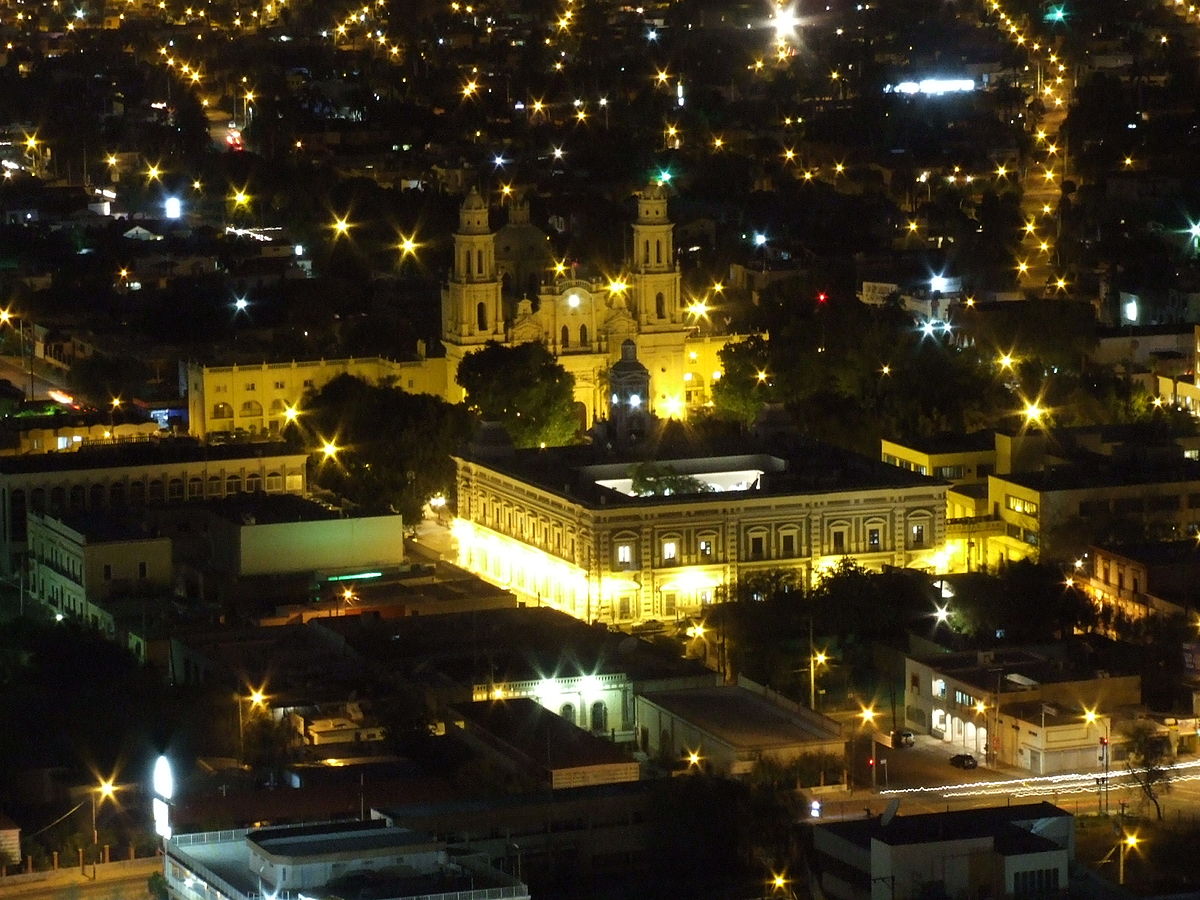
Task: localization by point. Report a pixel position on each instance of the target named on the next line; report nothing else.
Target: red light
(822, 297)
(1104, 742)
(871, 761)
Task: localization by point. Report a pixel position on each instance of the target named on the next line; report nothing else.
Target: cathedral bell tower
(655, 277)
(471, 308)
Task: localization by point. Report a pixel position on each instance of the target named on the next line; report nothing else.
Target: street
(11, 368)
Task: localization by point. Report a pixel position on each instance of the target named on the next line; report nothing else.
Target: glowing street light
(105, 790)
(341, 227)
(329, 449)
(408, 245)
(1033, 413)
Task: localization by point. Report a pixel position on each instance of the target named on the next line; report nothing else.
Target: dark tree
(523, 388)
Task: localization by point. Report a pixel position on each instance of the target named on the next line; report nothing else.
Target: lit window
(669, 550)
(706, 548)
(624, 554)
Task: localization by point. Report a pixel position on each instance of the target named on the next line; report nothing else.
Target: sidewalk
(64, 877)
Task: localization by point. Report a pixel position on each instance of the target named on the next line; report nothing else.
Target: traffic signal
(822, 297)
(871, 761)
(1103, 742)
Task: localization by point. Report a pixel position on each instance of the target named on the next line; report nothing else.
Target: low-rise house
(1013, 851)
(1041, 711)
(727, 729)
(329, 859)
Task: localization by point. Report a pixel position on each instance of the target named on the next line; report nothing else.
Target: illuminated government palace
(582, 321)
(567, 526)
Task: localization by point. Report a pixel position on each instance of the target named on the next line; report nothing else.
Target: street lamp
(106, 790)
(257, 699)
(816, 658)
(1128, 842)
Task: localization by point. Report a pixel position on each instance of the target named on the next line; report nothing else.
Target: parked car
(964, 761)
(904, 739)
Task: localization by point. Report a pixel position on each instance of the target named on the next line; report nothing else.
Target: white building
(326, 861)
(1013, 851)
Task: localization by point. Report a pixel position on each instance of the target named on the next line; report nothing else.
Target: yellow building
(78, 561)
(254, 399)
(581, 321)
(565, 526)
(133, 475)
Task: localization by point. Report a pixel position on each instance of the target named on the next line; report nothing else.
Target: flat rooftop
(269, 509)
(101, 527)
(548, 740)
(1000, 822)
(165, 451)
(975, 442)
(732, 465)
(742, 718)
(508, 644)
(1100, 474)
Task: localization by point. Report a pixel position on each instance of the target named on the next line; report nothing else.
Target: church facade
(582, 321)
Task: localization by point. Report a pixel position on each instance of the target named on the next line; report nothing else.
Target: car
(904, 739)
(964, 761)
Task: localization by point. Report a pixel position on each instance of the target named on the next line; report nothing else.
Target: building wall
(135, 485)
(602, 704)
(222, 399)
(934, 704)
(72, 437)
(612, 562)
(965, 867)
(966, 467)
(321, 545)
(1059, 522)
(73, 576)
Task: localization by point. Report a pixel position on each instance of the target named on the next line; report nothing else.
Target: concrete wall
(294, 547)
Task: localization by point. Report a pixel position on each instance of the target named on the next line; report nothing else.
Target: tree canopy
(394, 448)
(523, 388)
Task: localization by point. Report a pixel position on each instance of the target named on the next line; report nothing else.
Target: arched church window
(646, 252)
(566, 337)
(481, 318)
(658, 252)
(660, 305)
(478, 262)
(583, 336)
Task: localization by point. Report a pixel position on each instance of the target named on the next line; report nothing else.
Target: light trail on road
(1045, 785)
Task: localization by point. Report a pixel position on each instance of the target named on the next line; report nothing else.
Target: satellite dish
(890, 813)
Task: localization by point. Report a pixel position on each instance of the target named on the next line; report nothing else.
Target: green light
(361, 576)
(1055, 14)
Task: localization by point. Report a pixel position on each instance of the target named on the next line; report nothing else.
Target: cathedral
(582, 322)
(504, 287)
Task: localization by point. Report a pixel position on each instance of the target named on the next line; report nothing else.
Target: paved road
(18, 373)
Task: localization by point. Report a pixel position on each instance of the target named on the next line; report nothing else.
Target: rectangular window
(789, 544)
(949, 472)
(1020, 505)
(873, 538)
(705, 549)
(939, 688)
(670, 550)
(624, 554)
(280, 385)
(669, 603)
(839, 542)
(250, 386)
(756, 547)
(918, 535)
